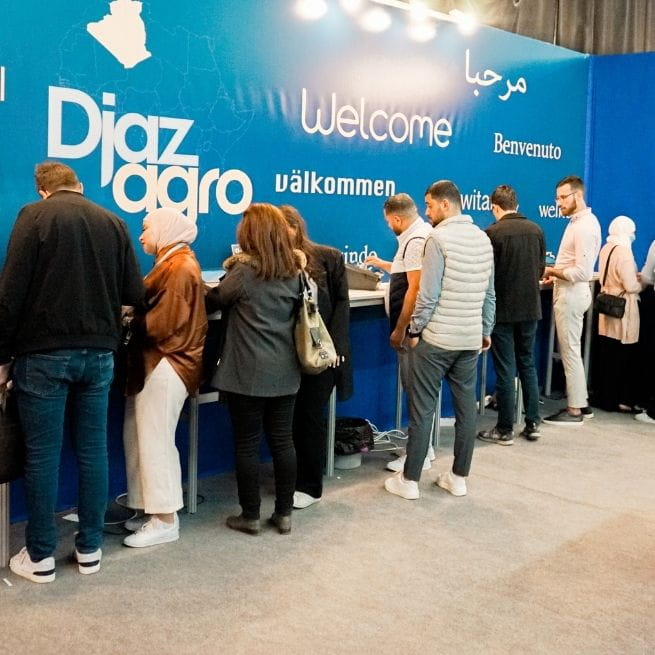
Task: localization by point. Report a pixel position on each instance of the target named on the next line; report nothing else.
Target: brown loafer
(249, 526)
(282, 523)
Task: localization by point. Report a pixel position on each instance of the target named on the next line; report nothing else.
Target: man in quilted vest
(451, 324)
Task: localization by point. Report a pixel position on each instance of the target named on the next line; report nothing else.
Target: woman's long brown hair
(263, 233)
(301, 240)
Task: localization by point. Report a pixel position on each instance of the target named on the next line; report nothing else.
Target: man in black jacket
(519, 259)
(70, 266)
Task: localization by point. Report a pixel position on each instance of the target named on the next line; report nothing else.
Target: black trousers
(250, 415)
(310, 430)
(615, 379)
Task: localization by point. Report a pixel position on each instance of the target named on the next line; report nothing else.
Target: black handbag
(607, 303)
(12, 443)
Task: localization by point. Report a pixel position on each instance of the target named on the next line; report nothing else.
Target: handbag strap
(607, 266)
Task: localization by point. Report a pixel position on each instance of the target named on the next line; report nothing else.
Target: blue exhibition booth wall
(223, 103)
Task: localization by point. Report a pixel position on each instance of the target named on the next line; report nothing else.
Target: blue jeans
(45, 382)
(512, 346)
(430, 365)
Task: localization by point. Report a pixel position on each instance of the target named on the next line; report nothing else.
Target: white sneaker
(642, 417)
(88, 563)
(398, 464)
(407, 489)
(302, 500)
(456, 484)
(154, 532)
(21, 564)
(136, 522)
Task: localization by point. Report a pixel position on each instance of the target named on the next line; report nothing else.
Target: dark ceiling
(593, 26)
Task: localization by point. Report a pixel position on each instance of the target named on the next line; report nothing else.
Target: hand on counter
(373, 260)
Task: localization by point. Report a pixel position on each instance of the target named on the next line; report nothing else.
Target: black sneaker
(587, 412)
(564, 418)
(496, 436)
(531, 431)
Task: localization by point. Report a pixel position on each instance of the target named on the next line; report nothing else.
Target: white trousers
(570, 302)
(154, 476)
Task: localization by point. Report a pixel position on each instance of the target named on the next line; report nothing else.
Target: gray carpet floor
(551, 551)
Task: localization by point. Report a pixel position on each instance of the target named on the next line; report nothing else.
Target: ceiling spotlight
(422, 31)
(350, 6)
(376, 20)
(418, 10)
(467, 23)
(311, 9)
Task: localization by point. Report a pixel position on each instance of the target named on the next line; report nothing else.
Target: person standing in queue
(411, 230)
(70, 267)
(164, 370)
(326, 267)
(571, 274)
(259, 372)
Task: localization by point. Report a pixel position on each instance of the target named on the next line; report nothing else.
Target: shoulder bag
(314, 345)
(607, 303)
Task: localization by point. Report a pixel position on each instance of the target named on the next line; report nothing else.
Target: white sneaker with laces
(21, 564)
(407, 489)
(154, 532)
(302, 500)
(455, 484)
(398, 464)
(642, 417)
(88, 563)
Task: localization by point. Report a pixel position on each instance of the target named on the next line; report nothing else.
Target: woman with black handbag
(614, 386)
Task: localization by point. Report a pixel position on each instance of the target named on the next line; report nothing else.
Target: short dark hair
(401, 204)
(576, 182)
(505, 197)
(52, 175)
(445, 190)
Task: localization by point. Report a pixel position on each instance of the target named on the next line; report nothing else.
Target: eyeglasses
(565, 196)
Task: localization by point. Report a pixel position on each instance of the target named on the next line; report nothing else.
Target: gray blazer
(259, 356)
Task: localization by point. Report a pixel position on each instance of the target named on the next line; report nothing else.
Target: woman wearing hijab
(258, 372)
(326, 267)
(614, 389)
(171, 336)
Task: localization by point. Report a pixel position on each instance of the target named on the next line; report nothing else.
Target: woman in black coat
(326, 267)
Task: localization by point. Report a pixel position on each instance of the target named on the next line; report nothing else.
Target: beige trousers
(154, 476)
(570, 302)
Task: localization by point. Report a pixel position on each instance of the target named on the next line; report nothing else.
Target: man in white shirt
(571, 275)
(411, 230)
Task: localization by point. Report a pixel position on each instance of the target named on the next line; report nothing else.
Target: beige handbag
(313, 341)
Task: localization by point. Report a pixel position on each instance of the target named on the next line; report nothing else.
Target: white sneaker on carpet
(136, 522)
(88, 563)
(455, 484)
(302, 500)
(398, 464)
(407, 489)
(154, 532)
(43, 571)
(642, 417)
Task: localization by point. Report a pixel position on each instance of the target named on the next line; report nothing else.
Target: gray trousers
(430, 365)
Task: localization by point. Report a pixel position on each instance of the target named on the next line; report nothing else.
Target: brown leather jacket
(174, 323)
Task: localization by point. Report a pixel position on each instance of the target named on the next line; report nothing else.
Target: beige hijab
(169, 226)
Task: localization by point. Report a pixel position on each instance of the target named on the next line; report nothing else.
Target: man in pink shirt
(571, 275)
